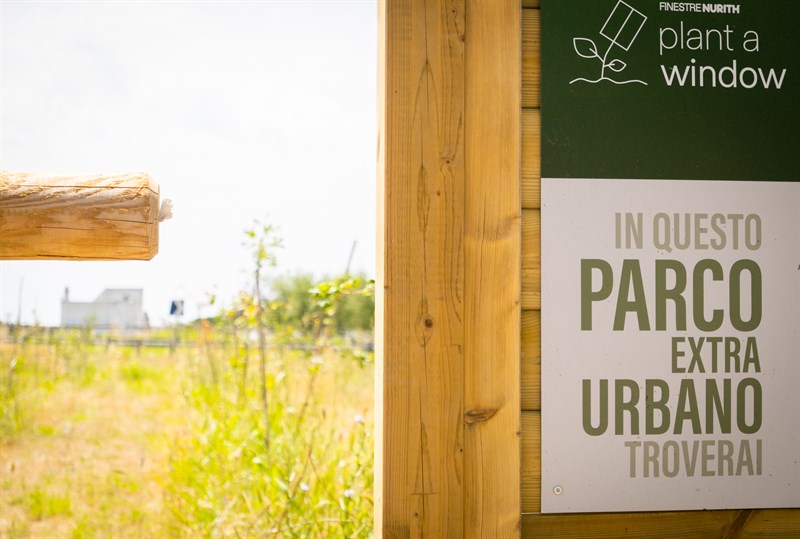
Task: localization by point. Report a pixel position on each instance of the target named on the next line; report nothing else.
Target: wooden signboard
(671, 256)
(457, 148)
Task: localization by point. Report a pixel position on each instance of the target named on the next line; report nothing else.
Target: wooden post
(97, 217)
(420, 385)
(448, 300)
(492, 269)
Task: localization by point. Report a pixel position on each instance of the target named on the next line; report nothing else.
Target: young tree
(263, 241)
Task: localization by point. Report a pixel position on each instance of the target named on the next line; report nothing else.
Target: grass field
(118, 441)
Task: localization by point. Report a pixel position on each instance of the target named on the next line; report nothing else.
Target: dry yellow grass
(88, 459)
(102, 433)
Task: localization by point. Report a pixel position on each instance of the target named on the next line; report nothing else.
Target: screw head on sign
(557, 490)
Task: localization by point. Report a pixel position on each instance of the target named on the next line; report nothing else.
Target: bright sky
(239, 110)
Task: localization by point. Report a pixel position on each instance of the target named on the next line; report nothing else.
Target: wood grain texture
(420, 346)
(530, 188)
(531, 59)
(531, 159)
(531, 260)
(448, 303)
(738, 524)
(531, 386)
(531, 479)
(492, 269)
(769, 523)
(89, 217)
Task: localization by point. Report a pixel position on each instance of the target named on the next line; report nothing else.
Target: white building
(114, 308)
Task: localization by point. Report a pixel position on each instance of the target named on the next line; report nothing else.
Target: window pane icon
(623, 25)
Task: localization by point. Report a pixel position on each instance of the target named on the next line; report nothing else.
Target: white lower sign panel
(670, 345)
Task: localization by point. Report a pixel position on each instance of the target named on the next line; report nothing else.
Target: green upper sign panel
(671, 90)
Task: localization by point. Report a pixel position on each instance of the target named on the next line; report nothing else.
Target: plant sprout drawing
(621, 28)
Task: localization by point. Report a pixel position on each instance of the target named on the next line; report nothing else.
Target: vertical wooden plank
(531, 260)
(421, 270)
(531, 159)
(492, 269)
(531, 364)
(531, 59)
(530, 481)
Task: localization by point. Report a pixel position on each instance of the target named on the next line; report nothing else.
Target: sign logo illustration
(621, 28)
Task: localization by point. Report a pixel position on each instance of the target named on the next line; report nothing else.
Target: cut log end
(78, 217)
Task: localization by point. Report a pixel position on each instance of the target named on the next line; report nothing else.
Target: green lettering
(670, 447)
(677, 354)
(621, 406)
(719, 404)
(751, 356)
(707, 456)
(588, 295)
(631, 276)
(714, 341)
(741, 401)
(696, 364)
(745, 458)
(660, 405)
(650, 458)
(725, 457)
(732, 348)
(754, 270)
(687, 408)
(588, 428)
(674, 294)
(698, 296)
(633, 446)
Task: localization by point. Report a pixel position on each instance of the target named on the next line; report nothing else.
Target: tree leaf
(617, 65)
(585, 47)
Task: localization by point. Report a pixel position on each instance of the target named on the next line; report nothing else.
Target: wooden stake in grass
(89, 217)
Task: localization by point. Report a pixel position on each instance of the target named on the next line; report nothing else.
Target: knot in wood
(424, 327)
(477, 416)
